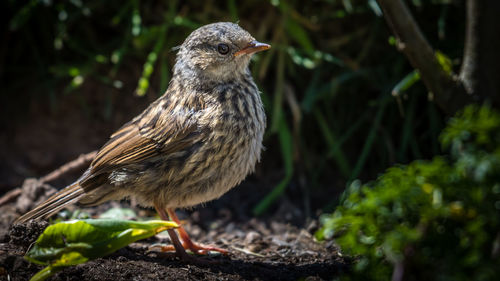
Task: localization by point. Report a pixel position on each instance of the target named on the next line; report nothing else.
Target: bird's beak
(252, 47)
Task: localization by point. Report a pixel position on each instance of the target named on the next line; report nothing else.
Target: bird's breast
(232, 147)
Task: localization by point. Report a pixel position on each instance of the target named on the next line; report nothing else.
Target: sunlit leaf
(78, 241)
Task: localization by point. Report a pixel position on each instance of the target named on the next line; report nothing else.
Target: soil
(261, 248)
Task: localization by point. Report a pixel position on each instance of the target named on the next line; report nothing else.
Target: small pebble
(251, 237)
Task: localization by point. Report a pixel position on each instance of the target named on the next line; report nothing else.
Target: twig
(248, 252)
(75, 164)
(82, 160)
(481, 63)
(447, 91)
(10, 196)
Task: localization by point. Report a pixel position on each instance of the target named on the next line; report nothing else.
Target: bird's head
(217, 51)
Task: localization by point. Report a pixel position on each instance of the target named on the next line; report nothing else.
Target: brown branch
(75, 164)
(10, 196)
(480, 71)
(448, 93)
(82, 160)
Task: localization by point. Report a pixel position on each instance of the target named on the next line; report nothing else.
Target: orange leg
(187, 243)
(179, 249)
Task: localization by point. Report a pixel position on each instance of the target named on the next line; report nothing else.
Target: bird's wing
(148, 136)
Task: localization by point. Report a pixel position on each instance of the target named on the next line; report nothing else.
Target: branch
(480, 71)
(74, 164)
(10, 196)
(447, 92)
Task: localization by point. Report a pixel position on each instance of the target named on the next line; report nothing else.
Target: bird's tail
(56, 202)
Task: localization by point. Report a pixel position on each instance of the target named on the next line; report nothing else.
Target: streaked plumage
(193, 144)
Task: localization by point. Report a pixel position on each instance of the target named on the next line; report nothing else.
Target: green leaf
(299, 35)
(278, 93)
(331, 139)
(370, 139)
(375, 8)
(348, 6)
(445, 62)
(233, 10)
(408, 81)
(78, 241)
(23, 15)
(286, 142)
(151, 61)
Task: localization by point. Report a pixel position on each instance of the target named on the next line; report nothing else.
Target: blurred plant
(429, 220)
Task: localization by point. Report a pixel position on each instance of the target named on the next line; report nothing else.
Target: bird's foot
(186, 244)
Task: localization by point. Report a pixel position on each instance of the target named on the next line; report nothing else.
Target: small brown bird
(192, 145)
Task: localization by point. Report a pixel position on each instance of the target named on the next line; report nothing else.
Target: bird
(198, 140)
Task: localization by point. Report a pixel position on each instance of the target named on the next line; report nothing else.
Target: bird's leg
(179, 249)
(187, 243)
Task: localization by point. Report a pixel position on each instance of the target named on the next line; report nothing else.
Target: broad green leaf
(78, 241)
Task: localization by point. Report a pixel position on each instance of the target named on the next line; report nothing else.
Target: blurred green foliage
(326, 82)
(429, 220)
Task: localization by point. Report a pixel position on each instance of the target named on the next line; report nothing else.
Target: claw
(187, 243)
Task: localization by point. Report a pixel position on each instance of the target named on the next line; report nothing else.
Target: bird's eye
(223, 49)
